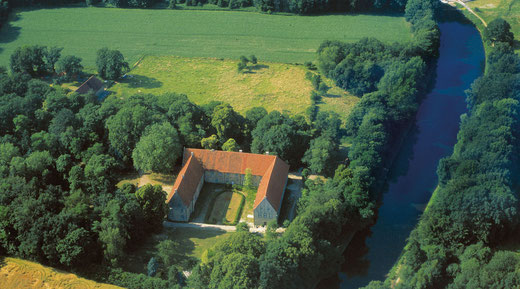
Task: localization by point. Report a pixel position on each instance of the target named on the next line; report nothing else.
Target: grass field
(18, 273)
(226, 34)
(192, 243)
(271, 85)
(166, 181)
(507, 9)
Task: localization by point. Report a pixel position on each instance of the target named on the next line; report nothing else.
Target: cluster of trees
(58, 201)
(242, 65)
(322, 6)
(359, 67)
(37, 61)
(328, 211)
(475, 210)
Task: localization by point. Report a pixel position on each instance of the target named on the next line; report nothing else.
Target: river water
(372, 253)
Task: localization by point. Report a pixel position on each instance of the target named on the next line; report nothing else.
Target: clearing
(277, 86)
(191, 244)
(18, 273)
(227, 34)
(139, 180)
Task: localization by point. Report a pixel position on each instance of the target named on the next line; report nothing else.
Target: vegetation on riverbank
(347, 202)
(464, 238)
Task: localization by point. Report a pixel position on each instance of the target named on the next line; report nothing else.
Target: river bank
(413, 177)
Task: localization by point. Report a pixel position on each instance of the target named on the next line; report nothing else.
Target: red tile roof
(187, 181)
(231, 162)
(272, 184)
(93, 83)
(273, 170)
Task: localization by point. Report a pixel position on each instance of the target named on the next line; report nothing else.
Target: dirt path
(467, 7)
(203, 226)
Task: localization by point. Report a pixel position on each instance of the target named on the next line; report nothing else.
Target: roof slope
(272, 184)
(93, 83)
(273, 170)
(231, 162)
(187, 181)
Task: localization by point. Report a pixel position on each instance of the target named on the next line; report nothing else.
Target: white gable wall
(264, 213)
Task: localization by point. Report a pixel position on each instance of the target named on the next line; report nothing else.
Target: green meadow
(221, 34)
(274, 86)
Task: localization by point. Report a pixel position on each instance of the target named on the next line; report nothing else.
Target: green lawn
(223, 34)
(275, 86)
(192, 243)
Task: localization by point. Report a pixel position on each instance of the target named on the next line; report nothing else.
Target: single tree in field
(152, 200)
(253, 59)
(158, 149)
(111, 64)
(498, 30)
(52, 56)
(241, 66)
(230, 145)
(69, 65)
(168, 252)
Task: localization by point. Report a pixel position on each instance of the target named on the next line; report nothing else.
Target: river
(372, 253)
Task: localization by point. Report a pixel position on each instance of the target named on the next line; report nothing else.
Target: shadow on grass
(141, 81)
(187, 241)
(218, 207)
(516, 44)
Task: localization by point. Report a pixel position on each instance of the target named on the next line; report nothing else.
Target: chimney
(183, 177)
(239, 151)
(191, 153)
(266, 153)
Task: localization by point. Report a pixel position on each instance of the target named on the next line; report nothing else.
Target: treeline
(303, 7)
(474, 213)
(359, 67)
(329, 211)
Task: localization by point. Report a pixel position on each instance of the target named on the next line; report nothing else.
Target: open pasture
(275, 86)
(223, 34)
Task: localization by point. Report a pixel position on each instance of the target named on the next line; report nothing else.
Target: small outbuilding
(93, 84)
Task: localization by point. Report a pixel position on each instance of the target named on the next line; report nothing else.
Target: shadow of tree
(141, 81)
(516, 44)
(259, 66)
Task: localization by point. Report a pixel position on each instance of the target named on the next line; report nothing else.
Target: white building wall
(264, 213)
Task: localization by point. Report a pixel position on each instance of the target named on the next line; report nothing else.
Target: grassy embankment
(18, 273)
